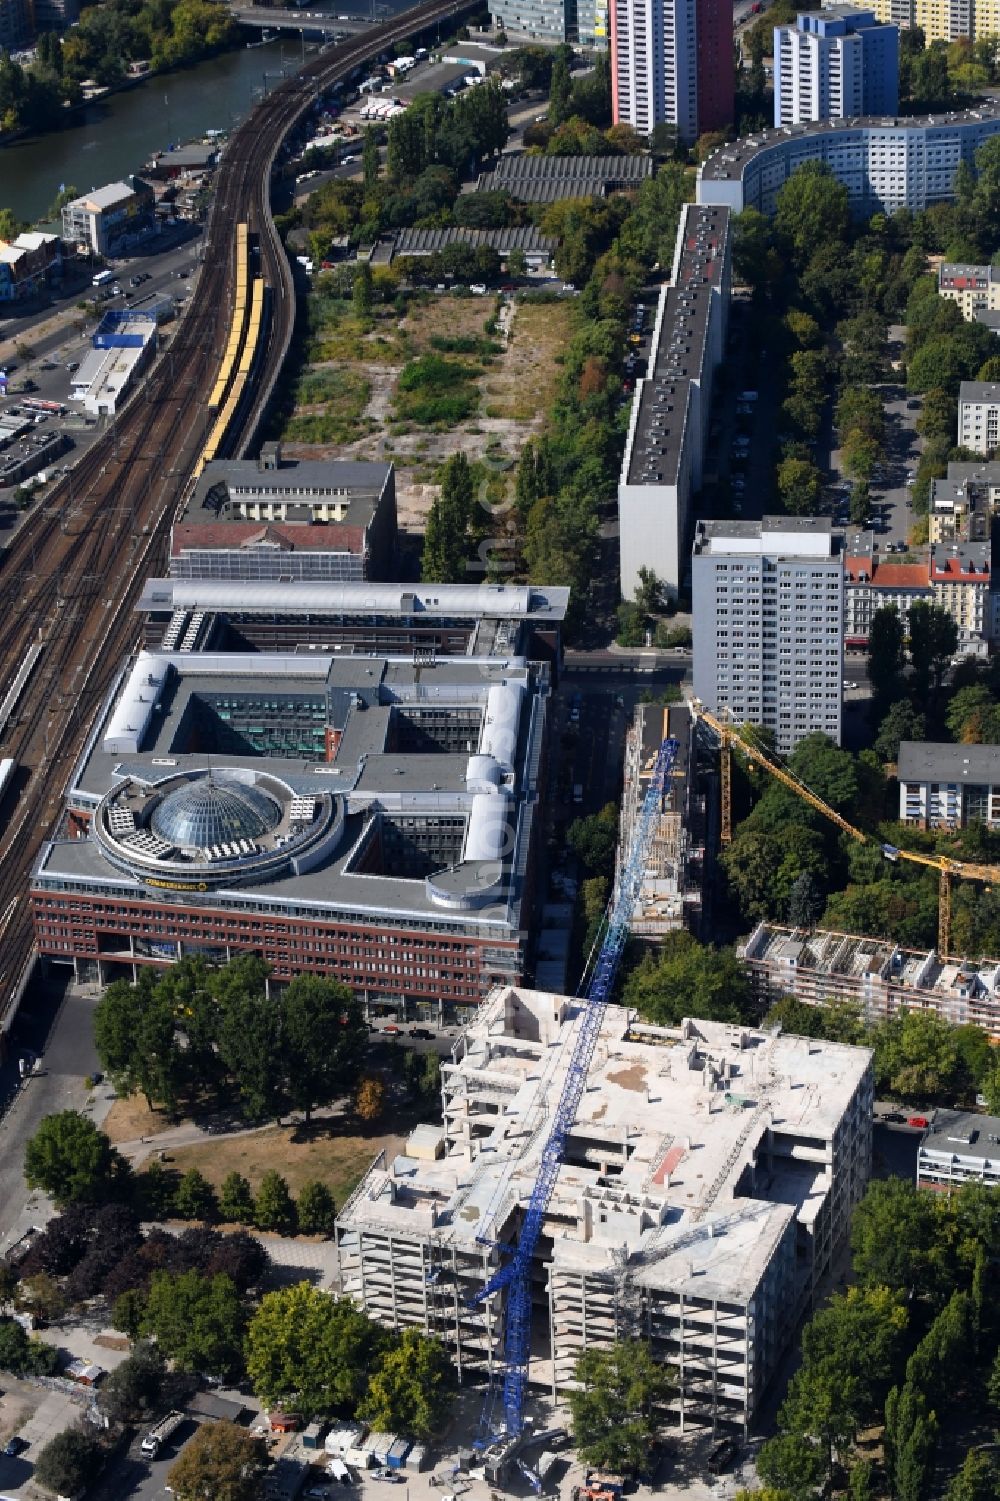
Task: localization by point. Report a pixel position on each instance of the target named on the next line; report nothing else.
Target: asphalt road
(60, 1028)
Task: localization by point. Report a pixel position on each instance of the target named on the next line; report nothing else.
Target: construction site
(878, 976)
(701, 1190)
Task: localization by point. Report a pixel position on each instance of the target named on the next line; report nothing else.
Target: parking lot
(40, 356)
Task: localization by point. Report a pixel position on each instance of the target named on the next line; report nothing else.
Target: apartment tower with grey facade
(768, 609)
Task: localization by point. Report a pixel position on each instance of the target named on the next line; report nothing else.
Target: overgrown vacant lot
(418, 388)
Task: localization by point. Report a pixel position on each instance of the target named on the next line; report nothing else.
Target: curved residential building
(885, 164)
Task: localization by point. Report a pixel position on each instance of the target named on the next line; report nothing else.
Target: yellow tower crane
(730, 734)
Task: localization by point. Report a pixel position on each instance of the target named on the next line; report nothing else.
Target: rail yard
(70, 578)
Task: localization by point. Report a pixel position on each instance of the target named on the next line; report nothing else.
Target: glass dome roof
(212, 811)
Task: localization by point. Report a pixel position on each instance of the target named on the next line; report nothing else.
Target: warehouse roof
(526, 237)
(543, 179)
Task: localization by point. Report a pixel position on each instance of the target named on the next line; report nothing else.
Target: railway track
(73, 574)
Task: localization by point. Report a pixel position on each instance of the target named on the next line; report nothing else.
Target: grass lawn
(336, 1157)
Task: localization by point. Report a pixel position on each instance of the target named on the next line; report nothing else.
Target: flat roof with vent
(678, 355)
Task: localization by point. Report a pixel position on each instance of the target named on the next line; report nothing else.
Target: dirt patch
(130, 1120)
(633, 1077)
(325, 1152)
(112, 1341)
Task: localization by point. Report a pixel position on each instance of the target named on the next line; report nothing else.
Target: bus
(102, 277)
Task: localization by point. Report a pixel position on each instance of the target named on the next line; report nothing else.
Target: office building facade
(671, 63)
(369, 818)
(834, 64)
(767, 614)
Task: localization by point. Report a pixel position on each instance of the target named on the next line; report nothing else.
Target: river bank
(118, 133)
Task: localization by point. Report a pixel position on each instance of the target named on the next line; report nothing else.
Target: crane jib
(515, 1277)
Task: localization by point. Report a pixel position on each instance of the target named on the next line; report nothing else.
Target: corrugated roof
(428, 241)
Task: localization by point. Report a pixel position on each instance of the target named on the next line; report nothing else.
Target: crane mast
(514, 1278)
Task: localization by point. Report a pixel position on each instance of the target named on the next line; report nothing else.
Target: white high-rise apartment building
(767, 614)
(834, 65)
(656, 64)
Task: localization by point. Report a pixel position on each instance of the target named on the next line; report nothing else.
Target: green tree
(885, 651)
(137, 1041)
(236, 1199)
(361, 290)
(933, 638)
(316, 1208)
(893, 1237)
(222, 1460)
(129, 1391)
(977, 1480)
(23, 1356)
(618, 1404)
(560, 89)
(901, 721)
(69, 1158)
(194, 1198)
(594, 839)
(370, 160)
(914, 1465)
(69, 1463)
(413, 1389)
(323, 1039)
(800, 486)
(307, 1348)
(448, 522)
(686, 978)
(250, 1046)
(916, 1057)
(812, 210)
(274, 1207)
(198, 1321)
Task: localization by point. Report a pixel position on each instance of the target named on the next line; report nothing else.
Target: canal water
(118, 134)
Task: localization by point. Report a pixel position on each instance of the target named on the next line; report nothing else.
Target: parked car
(920, 1122)
(15, 1446)
(392, 1030)
(723, 1455)
(424, 1033)
(392, 1476)
(894, 1118)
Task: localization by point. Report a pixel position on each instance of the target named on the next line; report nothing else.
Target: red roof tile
(333, 536)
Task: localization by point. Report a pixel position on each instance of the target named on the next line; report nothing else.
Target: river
(116, 135)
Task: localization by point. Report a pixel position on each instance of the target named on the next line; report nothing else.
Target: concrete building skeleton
(673, 888)
(878, 976)
(706, 1185)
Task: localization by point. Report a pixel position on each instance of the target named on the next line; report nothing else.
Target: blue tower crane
(515, 1276)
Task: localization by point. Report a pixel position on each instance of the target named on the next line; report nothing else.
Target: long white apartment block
(668, 429)
(706, 1186)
